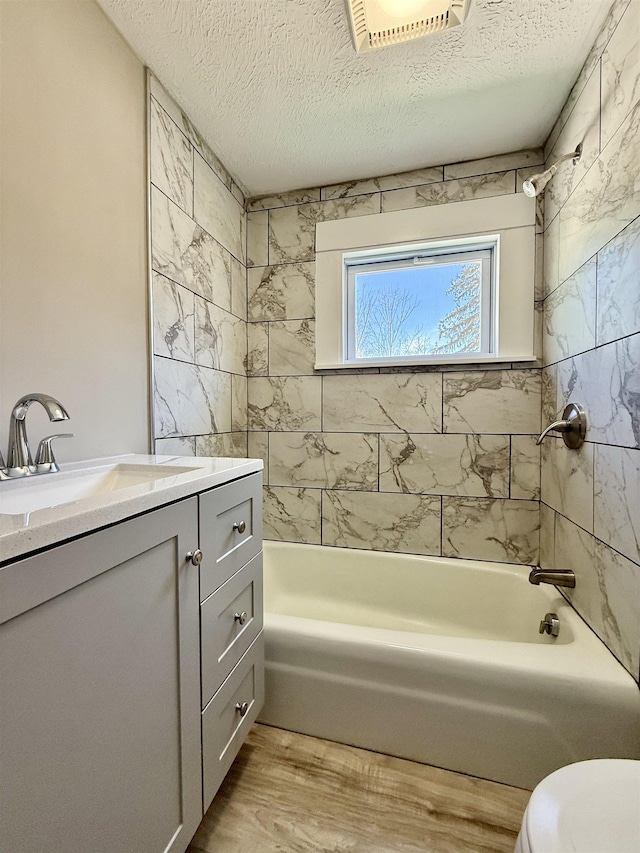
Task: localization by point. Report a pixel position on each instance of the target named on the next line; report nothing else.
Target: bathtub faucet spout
(558, 577)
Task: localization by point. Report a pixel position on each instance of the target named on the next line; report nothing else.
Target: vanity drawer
(230, 620)
(230, 530)
(228, 717)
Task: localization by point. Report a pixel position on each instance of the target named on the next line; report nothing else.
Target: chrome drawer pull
(240, 526)
(242, 709)
(195, 557)
(240, 617)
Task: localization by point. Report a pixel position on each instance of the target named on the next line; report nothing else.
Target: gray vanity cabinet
(99, 691)
(129, 672)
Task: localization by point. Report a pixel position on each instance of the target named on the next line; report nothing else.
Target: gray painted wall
(73, 293)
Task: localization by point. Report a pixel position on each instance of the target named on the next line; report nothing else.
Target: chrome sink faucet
(19, 460)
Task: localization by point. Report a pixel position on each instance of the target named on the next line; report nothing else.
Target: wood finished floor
(291, 793)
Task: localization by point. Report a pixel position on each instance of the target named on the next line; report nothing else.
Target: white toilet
(588, 807)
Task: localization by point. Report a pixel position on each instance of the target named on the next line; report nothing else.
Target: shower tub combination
(440, 661)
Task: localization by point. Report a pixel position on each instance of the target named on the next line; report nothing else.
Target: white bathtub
(440, 661)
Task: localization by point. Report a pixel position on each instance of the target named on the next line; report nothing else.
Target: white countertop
(26, 531)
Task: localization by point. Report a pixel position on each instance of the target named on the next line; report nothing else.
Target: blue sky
(428, 283)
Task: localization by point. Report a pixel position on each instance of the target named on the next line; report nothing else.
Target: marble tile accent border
(372, 403)
(417, 177)
(292, 515)
(291, 403)
(377, 521)
(485, 529)
(285, 292)
(500, 163)
(481, 186)
(492, 401)
(324, 460)
(285, 199)
(445, 464)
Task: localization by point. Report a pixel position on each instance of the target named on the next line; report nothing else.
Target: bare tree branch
(381, 326)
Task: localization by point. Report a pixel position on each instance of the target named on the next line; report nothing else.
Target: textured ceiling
(278, 91)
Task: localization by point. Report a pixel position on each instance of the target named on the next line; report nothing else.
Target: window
(412, 306)
(442, 284)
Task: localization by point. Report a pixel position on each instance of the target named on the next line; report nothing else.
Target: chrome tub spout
(558, 577)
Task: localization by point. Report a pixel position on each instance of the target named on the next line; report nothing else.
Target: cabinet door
(99, 706)
(230, 530)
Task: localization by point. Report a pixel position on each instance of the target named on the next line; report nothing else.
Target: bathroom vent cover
(379, 23)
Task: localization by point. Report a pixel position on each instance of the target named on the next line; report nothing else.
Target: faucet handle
(573, 426)
(45, 460)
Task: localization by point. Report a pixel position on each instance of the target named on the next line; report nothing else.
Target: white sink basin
(51, 490)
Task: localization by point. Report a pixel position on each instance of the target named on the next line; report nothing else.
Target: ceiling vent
(378, 23)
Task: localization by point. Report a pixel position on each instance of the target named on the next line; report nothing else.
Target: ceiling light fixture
(378, 23)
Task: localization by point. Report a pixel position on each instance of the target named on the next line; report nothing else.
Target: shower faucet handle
(573, 427)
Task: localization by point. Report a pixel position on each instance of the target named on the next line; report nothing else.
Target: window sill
(425, 362)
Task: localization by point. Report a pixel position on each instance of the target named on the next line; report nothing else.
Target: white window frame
(428, 254)
(507, 219)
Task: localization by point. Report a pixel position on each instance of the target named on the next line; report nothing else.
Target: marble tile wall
(418, 461)
(591, 338)
(199, 302)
